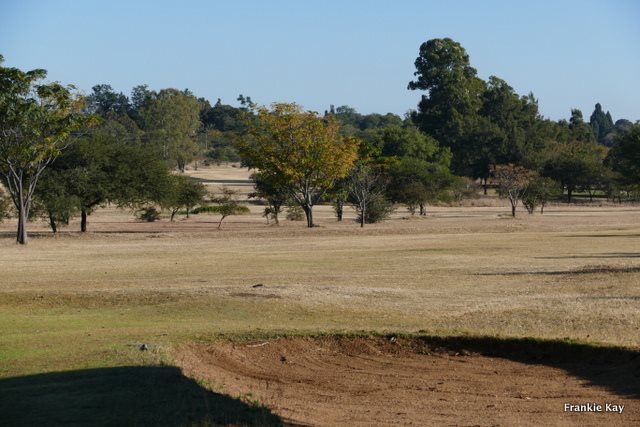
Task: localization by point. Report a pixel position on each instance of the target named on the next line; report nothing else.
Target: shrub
(4, 206)
(149, 214)
(295, 213)
(378, 209)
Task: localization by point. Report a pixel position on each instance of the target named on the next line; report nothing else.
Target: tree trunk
(339, 209)
(484, 186)
(173, 214)
(542, 209)
(21, 236)
(513, 211)
(423, 210)
(363, 215)
(83, 220)
(52, 223)
(569, 192)
(308, 211)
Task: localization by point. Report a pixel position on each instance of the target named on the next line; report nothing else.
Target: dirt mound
(401, 381)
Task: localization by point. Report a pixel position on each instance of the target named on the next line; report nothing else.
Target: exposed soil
(401, 381)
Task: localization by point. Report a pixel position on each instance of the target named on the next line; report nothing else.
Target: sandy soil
(398, 381)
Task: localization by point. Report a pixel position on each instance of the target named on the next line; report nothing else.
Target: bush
(378, 209)
(295, 213)
(149, 214)
(4, 206)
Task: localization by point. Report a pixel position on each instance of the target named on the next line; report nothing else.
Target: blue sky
(570, 54)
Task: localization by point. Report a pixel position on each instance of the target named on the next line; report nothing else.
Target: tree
(453, 91)
(269, 188)
(53, 200)
(539, 192)
(624, 156)
(416, 182)
(513, 182)
(364, 185)
(98, 168)
(307, 153)
(601, 123)
(569, 163)
(404, 141)
(580, 131)
(184, 192)
(36, 121)
(171, 119)
(104, 100)
(227, 205)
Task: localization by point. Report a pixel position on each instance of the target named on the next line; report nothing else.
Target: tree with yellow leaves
(300, 151)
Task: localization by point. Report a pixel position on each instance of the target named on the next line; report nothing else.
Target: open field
(84, 302)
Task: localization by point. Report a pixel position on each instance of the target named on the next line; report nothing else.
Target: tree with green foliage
(416, 182)
(104, 101)
(4, 206)
(365, 185)
(580, 131)
(453, 95)
(306, 152)
(624, 157)
(98, 168)
(270, 188)
(171, 120)
(36, 121)
(539, 192)
(513, 182)
(227, 205)
(569, 163)
(601, 123)
(183, 193)
(52, 199)
(405, 141)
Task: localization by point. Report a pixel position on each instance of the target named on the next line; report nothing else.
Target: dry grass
(75, 301)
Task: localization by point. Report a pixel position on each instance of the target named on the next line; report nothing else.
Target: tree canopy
(304, 152)
(36, 121)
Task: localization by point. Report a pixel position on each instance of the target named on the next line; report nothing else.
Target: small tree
(228, 205)
(184, 192)
(339, 194)
(53, 200)
(295, 213)
(539, 192)
(464, 188)
(378, 209)
(512, 183)
(270, 188)
(364, 185)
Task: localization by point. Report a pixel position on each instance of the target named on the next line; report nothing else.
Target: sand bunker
(402, 381)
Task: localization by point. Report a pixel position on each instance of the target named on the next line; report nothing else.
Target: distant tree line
(64, 155)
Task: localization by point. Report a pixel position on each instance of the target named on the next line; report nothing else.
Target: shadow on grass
(596, 269)
(141, 396)
(605, 255)
(614, 368)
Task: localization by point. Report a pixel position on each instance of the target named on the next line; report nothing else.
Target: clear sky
(570, 54)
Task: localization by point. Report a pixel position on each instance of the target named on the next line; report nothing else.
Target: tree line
(63, 154)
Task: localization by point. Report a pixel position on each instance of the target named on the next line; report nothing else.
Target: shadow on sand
(614, 368)
(125, 396)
